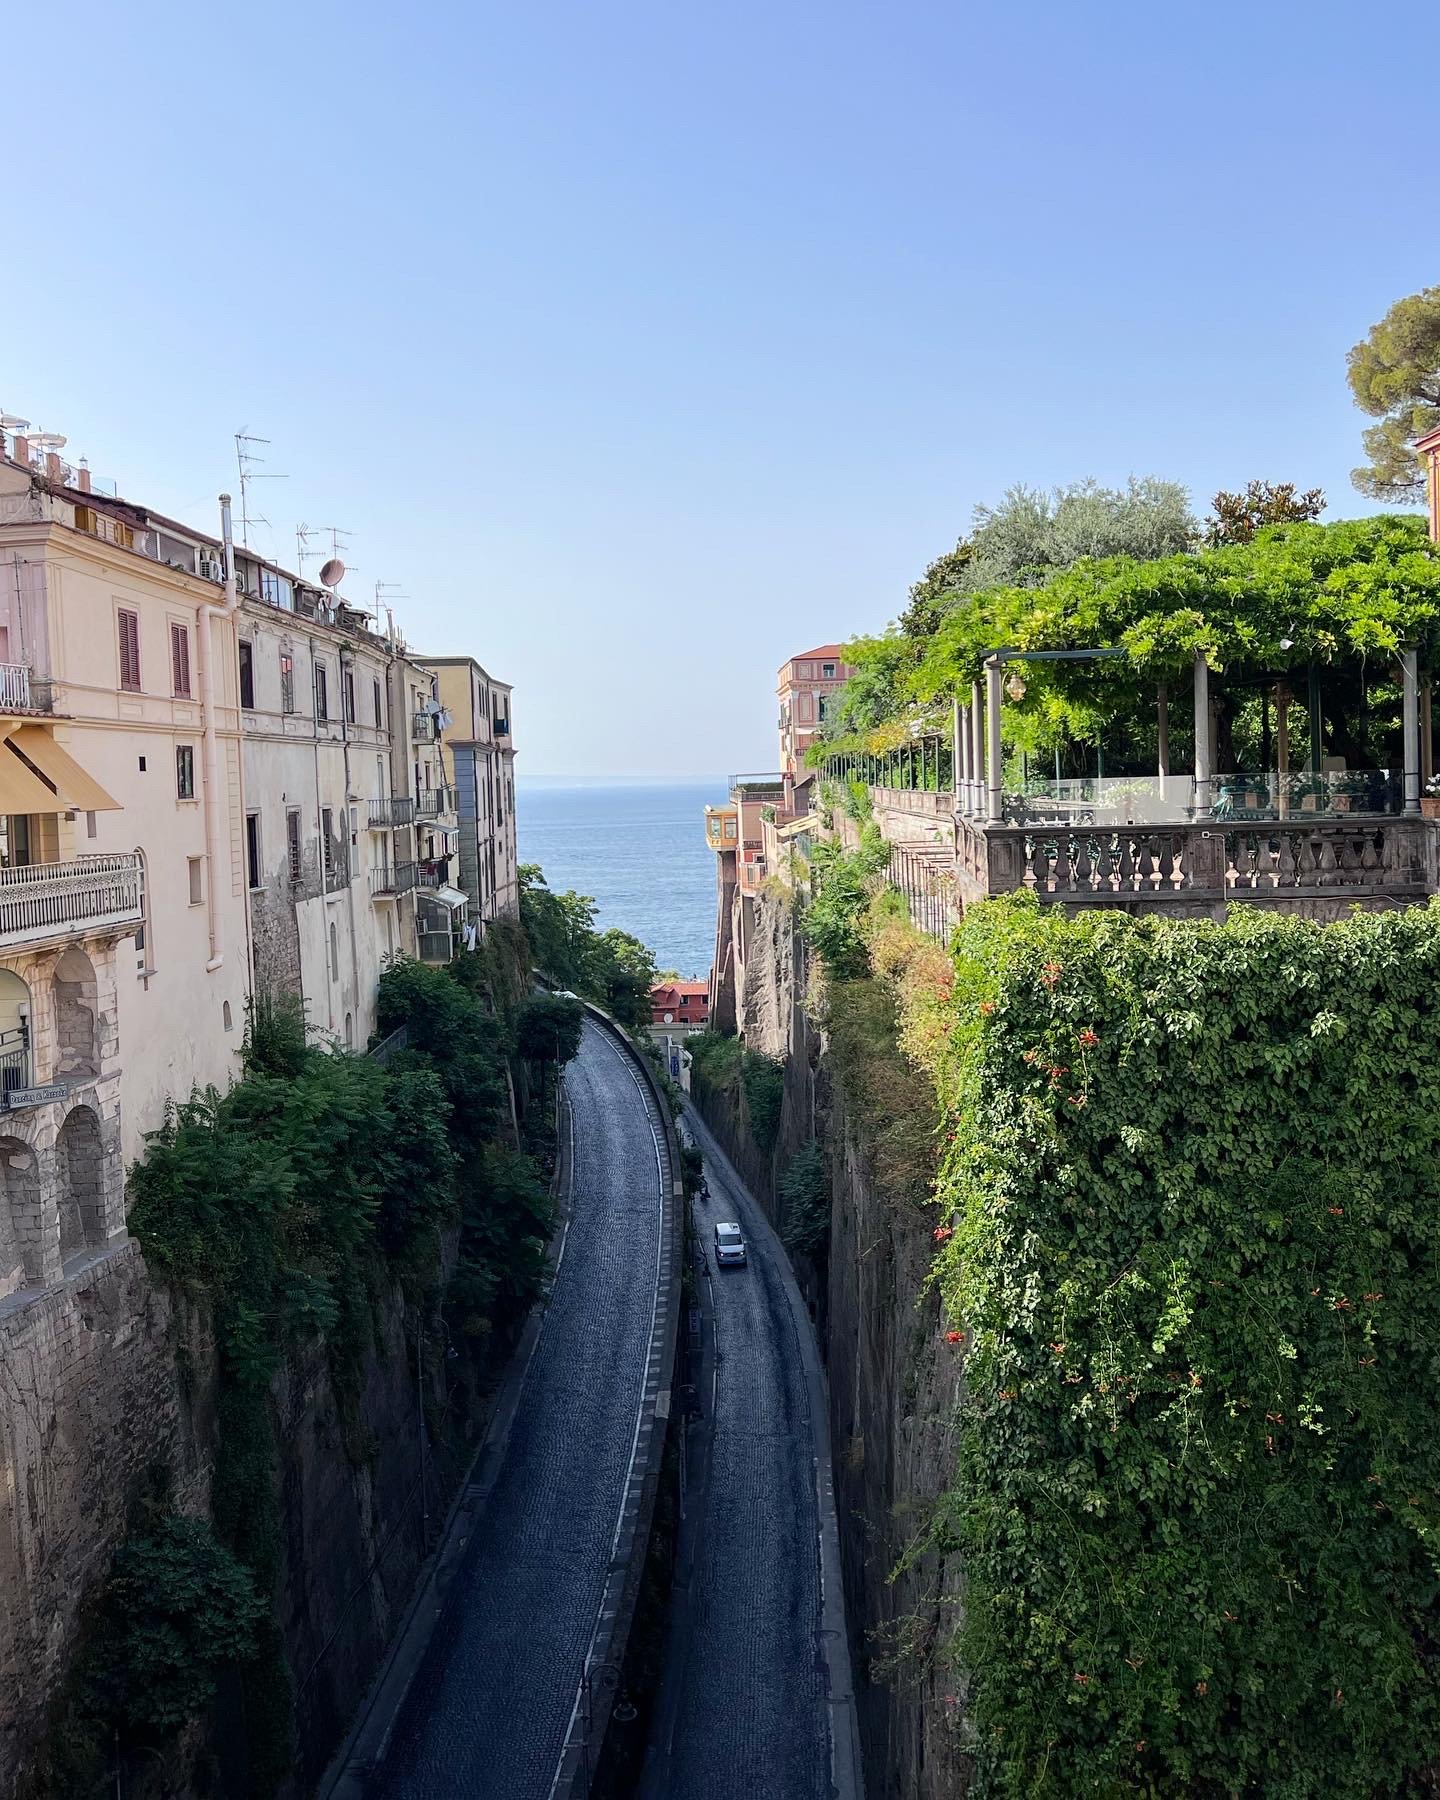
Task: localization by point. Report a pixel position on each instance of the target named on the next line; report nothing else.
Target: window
(180, 662)
(827, 671)
(142, 930)
(227, 1017)
(379, 708)
(247, 675)
(90, 825)
(327, 843)
(334, 953)
(197, 880)
(252, 849)
(348, 680)
(322, 693)
(287, 682)
(292, 842)
(129, 650)
(276, 590)
(184, 771)
(820, 708)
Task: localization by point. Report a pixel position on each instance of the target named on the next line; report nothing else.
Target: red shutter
(180, 660)
(130, 650)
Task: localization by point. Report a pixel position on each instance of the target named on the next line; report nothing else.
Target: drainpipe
(208, 746)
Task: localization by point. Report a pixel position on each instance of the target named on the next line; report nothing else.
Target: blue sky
(645, 344)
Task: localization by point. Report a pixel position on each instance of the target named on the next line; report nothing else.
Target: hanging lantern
(1015, 686)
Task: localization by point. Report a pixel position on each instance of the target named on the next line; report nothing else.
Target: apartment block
(478, 736)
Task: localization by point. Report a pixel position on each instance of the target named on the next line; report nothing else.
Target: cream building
(479, 737)
(123, 952)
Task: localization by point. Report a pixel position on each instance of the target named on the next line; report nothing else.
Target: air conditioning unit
(211, 570)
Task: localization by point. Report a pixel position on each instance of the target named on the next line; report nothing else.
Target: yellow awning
(76, 789)
(22, 791)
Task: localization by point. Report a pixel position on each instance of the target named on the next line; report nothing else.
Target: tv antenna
(245, 460)
(385, 593)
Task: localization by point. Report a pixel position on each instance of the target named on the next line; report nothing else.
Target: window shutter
(180, 660)
(129, 650)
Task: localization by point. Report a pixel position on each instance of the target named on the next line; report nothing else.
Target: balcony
(436, 803)
(393, 879)
(753, 785)
(15, 1074)
(387, 814)
(19, 693)
(42, 902)
(424, 727)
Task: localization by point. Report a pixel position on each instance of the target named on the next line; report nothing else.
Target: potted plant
(1430, 799)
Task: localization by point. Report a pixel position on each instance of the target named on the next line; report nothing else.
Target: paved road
(743, 1715)
(487, 1713)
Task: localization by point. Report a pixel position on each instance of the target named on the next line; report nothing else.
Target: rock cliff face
(107, 1392)
(892, 1380)
(91, 1403)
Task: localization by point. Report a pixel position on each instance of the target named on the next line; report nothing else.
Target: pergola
(979, 749)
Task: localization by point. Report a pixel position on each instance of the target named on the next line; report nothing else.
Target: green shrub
(843, 884)
(763, 1079)
(805, 1203)
(1195, 1195)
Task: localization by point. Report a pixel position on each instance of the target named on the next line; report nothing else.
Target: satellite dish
(333, 573)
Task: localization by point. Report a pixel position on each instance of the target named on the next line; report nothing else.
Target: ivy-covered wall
(1189, 1252)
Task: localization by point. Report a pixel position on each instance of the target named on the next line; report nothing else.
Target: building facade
(479, 741)
(807, 685)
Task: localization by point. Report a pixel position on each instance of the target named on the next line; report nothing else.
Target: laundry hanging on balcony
(74, 788)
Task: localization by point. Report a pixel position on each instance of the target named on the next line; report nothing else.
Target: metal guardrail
(395, 878)
(395, 809)
(15, 687)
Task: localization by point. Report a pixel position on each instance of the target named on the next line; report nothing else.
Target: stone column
(1410, 714)
(994, 765)
(977, 752)
(1202, 737)
(1427, 730)
(1282, 748)
(1162, 728)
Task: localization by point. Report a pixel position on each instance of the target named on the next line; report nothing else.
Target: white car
(729, 1246)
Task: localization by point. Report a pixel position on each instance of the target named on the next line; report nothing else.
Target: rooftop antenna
(245, 460)
(385, 592)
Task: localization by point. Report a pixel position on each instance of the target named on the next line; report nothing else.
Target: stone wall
(92, 1408)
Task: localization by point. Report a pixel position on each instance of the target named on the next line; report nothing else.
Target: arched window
(334, 953)
(349, 1032)
(21, 1225)
(82, 1177)
(227, 1016)
(15, 1069)
(76, 1044)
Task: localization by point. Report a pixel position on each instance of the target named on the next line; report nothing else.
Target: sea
(639, 851)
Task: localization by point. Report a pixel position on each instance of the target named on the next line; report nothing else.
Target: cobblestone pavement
(749, 1721)
(487, 1713)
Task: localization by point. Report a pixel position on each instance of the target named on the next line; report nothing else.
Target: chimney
(20, 450)
(53, 468)
(82, 476)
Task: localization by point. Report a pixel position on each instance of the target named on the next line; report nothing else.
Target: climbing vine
(1189, 1247)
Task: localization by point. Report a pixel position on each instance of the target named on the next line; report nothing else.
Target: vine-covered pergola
(1292, 672)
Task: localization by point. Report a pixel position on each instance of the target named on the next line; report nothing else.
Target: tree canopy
(1353, 591)
(1395, 377)
(612, 967)
(1238, 517)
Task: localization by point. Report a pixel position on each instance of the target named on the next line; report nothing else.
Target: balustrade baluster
(1060, 877)
(1125, 869)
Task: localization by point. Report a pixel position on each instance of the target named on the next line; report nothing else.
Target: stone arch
(15, 1030)
(80, 1155)
(77, 1048)
(23, 1247)
(349, 1031)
